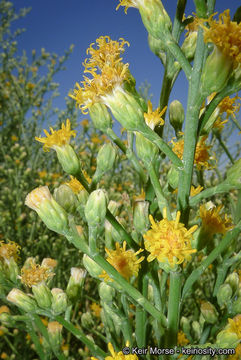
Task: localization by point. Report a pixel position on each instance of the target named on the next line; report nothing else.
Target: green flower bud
(196, 329)
(126, 109)
(185, 324)
(234, 173)
(76, 282)
(100, 116)
(233, 281)
(86, 320)
(155, 18)
(189, 45)
(22, 300)
(68, 159)
(173, 177)
(7, 320)
(106, 292)
(216, 72)
(207, 127)
(157, 47)
(146, 150)
(93, 269)
(105, 159)
(65, 198)
(11, 270)
(115, 233)
(236, 306)
(140, 216)
(176, 115)
(95, 208)
(209, 312)
(42, 295)
(59, 301)
(224, 294)
(227, 339)
(113, 206)
(114, 317)
(52, 214)
(55, 336)
(109, 241)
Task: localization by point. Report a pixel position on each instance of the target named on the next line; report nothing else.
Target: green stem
(11, 345)
(162, 201)
(234, 120)
(36, 342)
(160, 143)
(178, 54)
(218, 136)
(141, 318)
(129, 154)
(219, 189)
(173, 308)
(79, 335)
(195, 275)
(129, 289)
(237, 214)
(191, 127)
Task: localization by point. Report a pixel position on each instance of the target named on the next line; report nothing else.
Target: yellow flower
(154, 118)
(202, 155)
(234, 325)
(229, 105)
(169, 241)
(96, 309)
(8, 251)
(14, 138)
(181, 339)
(57, 138)
(195, 191)
(226, 35)
(4, 309)
(34, 274)
(75, 185)
(213, 222)
(124, 261)
(192, 26)
(42, 174)
(117, 356)
(107, 70)
(127, 4)
(237, 355)
(219, 124)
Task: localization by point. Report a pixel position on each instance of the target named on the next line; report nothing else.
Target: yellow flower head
(219, 124)
(195, 191)
(8, 251)
(202, 156)
(213, 222)
(4, 309)
(127, 4)
(57, 138)
(154, 118)
(75, 185)
(181, 339)
(119, 355)
(229, 105)
(169, 241)
(226, 35)
(96, 309)
(124, 261)
(107, 70)
(235, 325)
(33, 274)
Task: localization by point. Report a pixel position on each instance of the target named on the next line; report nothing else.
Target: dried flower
(169, 241)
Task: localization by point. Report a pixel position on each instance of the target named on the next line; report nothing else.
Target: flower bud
(209, 312)
(105, 159)
(224, 294)
(140, 216)
(189, 45)
(233, 281)
(196, 329)
(52, 214)
(236, 306)
(86, 320)
(106, 292)
(22, 300)
(145, 149)
(157, 47)
(113, 206)
(234, 173)
(55, 336)
(226, 339)
(176, 115)
(126, 108)
(59, 301)
(100, 116)
(68, 159)
(95, 208)
(216, 72)
(93, 269)
(185, 324)
(75, 283)
(173, 177)
(65, 198)
(114, 317)
(42, 295)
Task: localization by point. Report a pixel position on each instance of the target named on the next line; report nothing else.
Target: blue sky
(55, 24)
